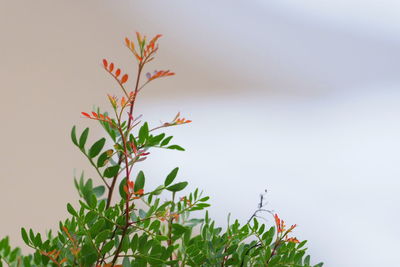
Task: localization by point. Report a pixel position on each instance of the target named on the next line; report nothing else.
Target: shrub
(139, 228)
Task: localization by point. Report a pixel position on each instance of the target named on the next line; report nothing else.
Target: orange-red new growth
(292, 240)
(75, 249)
(182, 121)
(110, 68)
(145, 52)
(86, 115)
(99, 117)
(139, 38)
(177, 121)
(124, 78)
(129, 190)
(113, 101)
(166, 216)
(53, 255)
(131, 45)
(186, 201)
(291, 228)
(280, 224)
(159, 74)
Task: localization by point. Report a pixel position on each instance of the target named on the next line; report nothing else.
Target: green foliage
(146, 226)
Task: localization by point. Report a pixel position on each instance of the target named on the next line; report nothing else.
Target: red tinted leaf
(95, 114)
(85, 114)
(117, 72)
(127, 42)
(111, 67)
(124, 78)
(126, 190)
(105, 63)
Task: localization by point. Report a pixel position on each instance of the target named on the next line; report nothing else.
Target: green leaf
(73, 136)
(14, 254)
(125, 244)
(89, 255)
(111, 171)
(166, 141)
(143, 133)
(125, 262)
(102, 236)
(142, 214)
(177, 187)
(204, 199)
(203, 205)
(96, 148)
(25, 236)
(103, 158)
(83, 138)
(102, 205)
(155, 140)
(97, 227)
(139, 183)
(176, 147)
(99, 190)
(134, 242)
(171, 177)
(155, 226)
(38, 240)
(71, 210)
(121, 188)
(178, 229)
(90, 216)
(261, 229)
(31, 235)
(307, 260)
(158, 190)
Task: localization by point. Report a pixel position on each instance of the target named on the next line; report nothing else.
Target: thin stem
(118, 81)
(127, 216)
(116, 255)
(170, 227)
(134, 96)
(121, 156)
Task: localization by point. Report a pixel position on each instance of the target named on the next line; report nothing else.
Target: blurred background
(300, 98)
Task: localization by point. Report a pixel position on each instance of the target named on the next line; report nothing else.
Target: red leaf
(95, 114)
(124, 78)
(85, 114)
(105, 63)
(111, 67)
(127, 42)
(117, 72)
